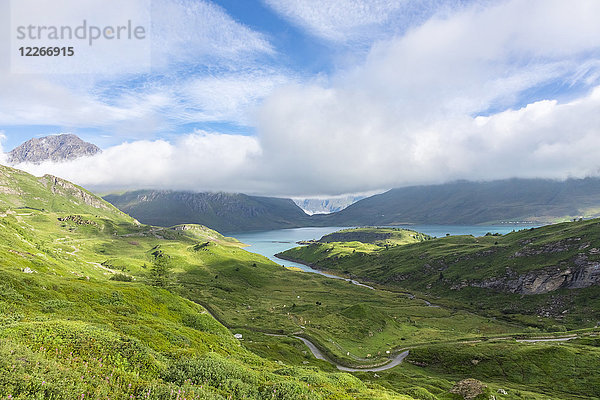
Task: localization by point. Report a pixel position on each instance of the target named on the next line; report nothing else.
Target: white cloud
(198, 161)
(32, 99)
(206, 67)
(359, 21)
(455, 98)
(228, 97)
(200, 32)
(336, 20)
(407, 115)
(544, 139)
(138, 112)
(3, 155)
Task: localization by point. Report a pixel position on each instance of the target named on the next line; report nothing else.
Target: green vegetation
(94, 304)
(352, 241)
(72, 326)
(450, 271)
(20, 190)
(159, 273)
(541, 277)
(381, 237)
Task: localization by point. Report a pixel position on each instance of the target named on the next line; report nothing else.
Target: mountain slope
(552, 271)
(466, 203)
(461, 203)
(19, 189)
(224, 212)
(93, 306)
(84, 315)
(56, 148)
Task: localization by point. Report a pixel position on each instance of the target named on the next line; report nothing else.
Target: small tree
(161, 268)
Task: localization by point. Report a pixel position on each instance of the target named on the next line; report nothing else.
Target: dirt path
(102, 267)
(562, 339)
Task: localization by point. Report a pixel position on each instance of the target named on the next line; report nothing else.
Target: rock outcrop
(62, 187)
(582, 273)
(578, 271)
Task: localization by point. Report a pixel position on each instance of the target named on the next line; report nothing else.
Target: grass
(215, 271)
(80, 315)
(85, 334)
(72, 327)
(451, 271)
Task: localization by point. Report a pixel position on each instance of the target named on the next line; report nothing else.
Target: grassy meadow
(96, 305)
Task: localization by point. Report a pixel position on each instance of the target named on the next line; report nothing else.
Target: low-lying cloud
(544, 139)
(200, 160)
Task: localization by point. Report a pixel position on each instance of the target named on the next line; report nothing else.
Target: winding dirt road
(318, 354)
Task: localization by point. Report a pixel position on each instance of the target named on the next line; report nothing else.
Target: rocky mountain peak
(56, 148)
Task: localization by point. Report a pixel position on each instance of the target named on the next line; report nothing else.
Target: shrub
(288, 390)
(160, 271)
(121, 277)
(212, 369)
(203, 322)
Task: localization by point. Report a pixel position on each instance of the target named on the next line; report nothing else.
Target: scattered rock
(468, 388)
(502, 391)
(77, 219)
(28, 270)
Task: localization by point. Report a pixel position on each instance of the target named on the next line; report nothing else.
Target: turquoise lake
(269, 243)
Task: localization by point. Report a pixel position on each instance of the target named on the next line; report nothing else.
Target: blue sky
(324, 98)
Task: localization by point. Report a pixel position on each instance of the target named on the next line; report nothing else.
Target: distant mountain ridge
(534, 201)
(470, 203)
(56, 148)
(224, 212)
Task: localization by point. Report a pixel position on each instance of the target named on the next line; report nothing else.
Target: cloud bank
(464, 95)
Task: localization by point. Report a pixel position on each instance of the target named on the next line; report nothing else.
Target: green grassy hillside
(93, 304)
(542, 276)
(20, 190)
(378, 236)
(351, 241)
(83, 315)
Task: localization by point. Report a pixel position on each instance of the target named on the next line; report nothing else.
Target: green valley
(300, 200)
(545, 277)
(95, 304)
(83, 315)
